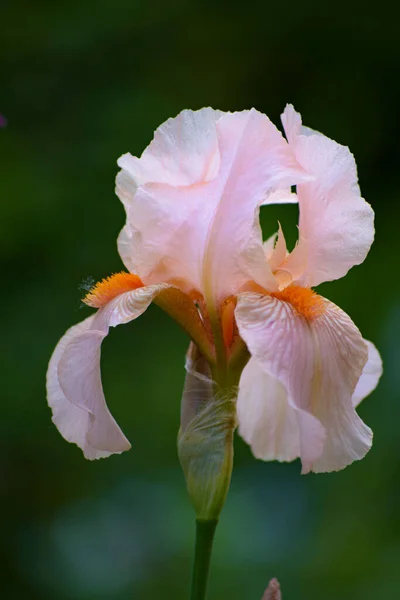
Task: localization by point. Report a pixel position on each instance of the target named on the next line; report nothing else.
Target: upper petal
(336, 227)
(184, 151)
(255, 161)
(204, 228)
(74, 389)
(319, 362)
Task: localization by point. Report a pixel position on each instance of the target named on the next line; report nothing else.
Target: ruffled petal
(319, 362)
(266, 420)
(177, 225)
(74, 389)
(336, 226)
(184, 151)
(165, 234)
(170, 211)
(255, 161)
(370, 375)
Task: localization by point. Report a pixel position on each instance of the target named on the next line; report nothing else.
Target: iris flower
(192, 243)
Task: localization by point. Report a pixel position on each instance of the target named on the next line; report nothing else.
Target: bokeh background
(82, 83)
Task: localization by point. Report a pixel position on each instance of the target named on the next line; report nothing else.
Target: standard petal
(370, 375)
(165, 234)
(178, 232)
(184, 151)
(336, 226)
(124, 244)
(319, 361)
(74, 389)
(255, 161)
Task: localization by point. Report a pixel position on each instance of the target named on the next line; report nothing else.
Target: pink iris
(192, 243)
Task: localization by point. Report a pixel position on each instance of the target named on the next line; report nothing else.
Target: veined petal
(370, 375)
(318, 360)
(74, 389)
(336, 226)
(270, 425)
(266, 420)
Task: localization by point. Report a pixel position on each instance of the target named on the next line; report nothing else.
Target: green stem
(205, 531)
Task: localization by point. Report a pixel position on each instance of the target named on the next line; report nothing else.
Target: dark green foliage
(81, 83)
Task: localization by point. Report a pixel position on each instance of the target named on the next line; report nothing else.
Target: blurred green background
(82, 83)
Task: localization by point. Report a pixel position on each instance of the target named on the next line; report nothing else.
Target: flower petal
(280, 251)
(280, 196)
(370, 375)
(169, 213)
(164, 237)
(74, 388)
(266, 421)
(319, 362)
(255, 160)
(184, 151)
(178, 224)
(336, 226)
(72, 421)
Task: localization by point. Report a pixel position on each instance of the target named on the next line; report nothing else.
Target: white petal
(74, 389)
(266, 420)
(319, 362)
(370, 375)
(336, 226)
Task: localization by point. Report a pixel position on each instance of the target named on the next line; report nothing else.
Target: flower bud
(205, 440)
(273, 591)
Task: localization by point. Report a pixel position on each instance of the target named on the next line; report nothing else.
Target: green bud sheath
(205, 447)
(205, 440)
